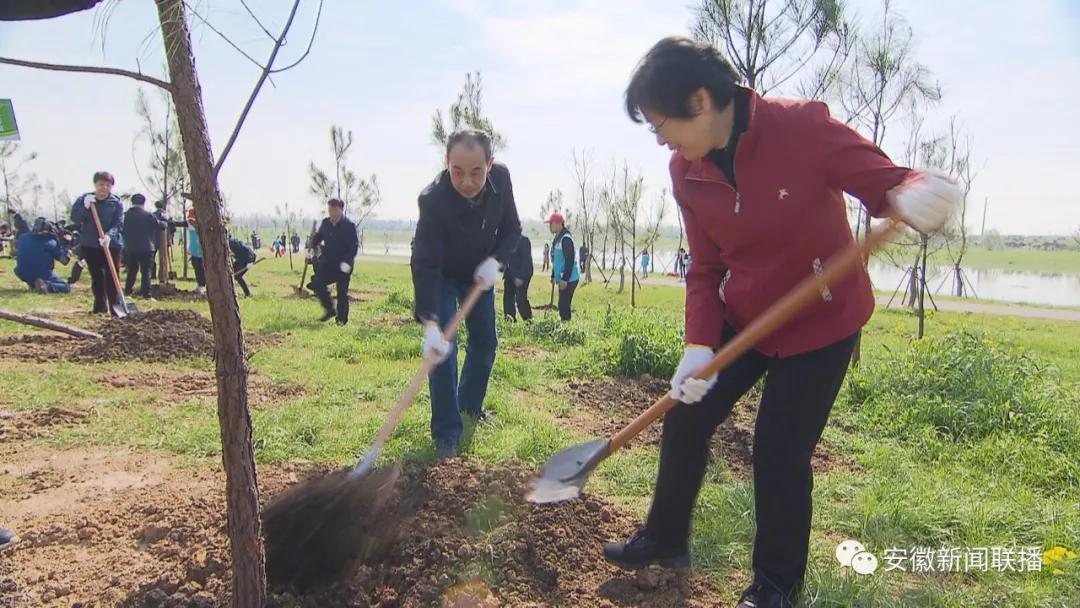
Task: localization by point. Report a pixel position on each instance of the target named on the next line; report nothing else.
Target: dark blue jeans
(449, 396)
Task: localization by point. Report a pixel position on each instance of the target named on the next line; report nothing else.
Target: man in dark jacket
(36, 255)
(141, 232)
(468, 226)
(162, 215)
(337, 235)
(111, 213)
(243, 260)
(516, 278)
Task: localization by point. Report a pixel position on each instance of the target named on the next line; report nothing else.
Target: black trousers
(566, 299)
(200, 272)
(139, 263)
(795, 405)
(101, 281)
(326, 275)
(238, 274)
(516, 299)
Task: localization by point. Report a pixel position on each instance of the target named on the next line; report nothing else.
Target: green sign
(9, 130)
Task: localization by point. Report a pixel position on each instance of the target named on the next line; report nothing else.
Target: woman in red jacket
(760, 184)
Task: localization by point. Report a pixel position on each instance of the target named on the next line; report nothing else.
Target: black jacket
(453, 236)
(339, 243)
(141, 230)
(242, 254)
(520, 265)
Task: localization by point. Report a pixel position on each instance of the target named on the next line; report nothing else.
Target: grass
(1010, 259)
(981, 453)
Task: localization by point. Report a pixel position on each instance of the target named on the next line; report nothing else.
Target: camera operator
(37, 251)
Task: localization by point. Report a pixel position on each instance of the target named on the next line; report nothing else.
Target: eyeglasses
(655, 129)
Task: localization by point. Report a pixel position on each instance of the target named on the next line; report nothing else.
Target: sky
(554, 73)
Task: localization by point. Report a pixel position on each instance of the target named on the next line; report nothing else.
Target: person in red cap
(564, 265)
(760, 183)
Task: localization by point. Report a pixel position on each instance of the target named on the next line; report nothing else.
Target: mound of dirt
(40, 347)
(35, 423)
(262, 391)
(453, 534)
(168, 291)
(603, 407)
(156, 335)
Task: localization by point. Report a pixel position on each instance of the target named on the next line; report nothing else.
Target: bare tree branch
(224, 37)
(86, 69)
(255, 92)
(311, 42)
(256, 19)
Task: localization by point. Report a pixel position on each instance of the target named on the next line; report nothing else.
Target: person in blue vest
(564, 266)
(36, 254)
(195, 251)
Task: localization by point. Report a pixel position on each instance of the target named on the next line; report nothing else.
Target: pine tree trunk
(242, 494)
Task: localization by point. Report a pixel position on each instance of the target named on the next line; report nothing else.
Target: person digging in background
(141, 231)
(337, 237)
(161, 214)
(36, 254)
(195, 252)
(110, 211)
(564, 268)
(468, 226)
(760, 184)
(516, 278)
(243, 260)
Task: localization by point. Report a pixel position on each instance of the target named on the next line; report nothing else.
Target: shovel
(313, 529)
(565, 474)
(120, 307)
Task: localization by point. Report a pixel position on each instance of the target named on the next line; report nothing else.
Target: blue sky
(554, 74)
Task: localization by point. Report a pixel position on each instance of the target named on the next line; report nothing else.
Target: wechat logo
(852, 554)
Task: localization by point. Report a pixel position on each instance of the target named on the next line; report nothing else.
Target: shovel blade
(564, 474)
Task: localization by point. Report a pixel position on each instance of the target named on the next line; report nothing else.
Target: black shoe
(445, 450)
(326, 317)
(7, 538)
(763, 595)
(639, 552)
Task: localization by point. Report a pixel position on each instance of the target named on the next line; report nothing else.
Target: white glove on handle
(88, 200)
(344, 267)
(104, 241)
(487, 273)
(434, 344)
(926, 201)
(685, 388)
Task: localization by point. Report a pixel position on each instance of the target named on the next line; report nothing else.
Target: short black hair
(159, 204)
(671, 71)
(470, 137)
(138, 199)
(335, 202)
(104, 176)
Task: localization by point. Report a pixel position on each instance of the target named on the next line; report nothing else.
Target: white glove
(487, 273)
(310, 254)
(344, 267)
(434, 344)
(104, 241)
(685, 388)
(926, 201)
(88, 200)
(248, 267)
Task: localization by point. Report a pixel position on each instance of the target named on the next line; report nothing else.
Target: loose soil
(156, 335)
(128, 529)
(603, 407)
(169, 384)
(162, 291)
(40, 347)
(35, 423)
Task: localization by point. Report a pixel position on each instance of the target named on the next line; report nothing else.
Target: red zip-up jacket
(792, 166)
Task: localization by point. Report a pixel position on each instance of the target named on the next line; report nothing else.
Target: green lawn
(968, 439)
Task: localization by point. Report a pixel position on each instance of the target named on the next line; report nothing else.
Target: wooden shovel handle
(777, 315)
(108, 255)
(417, 381)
